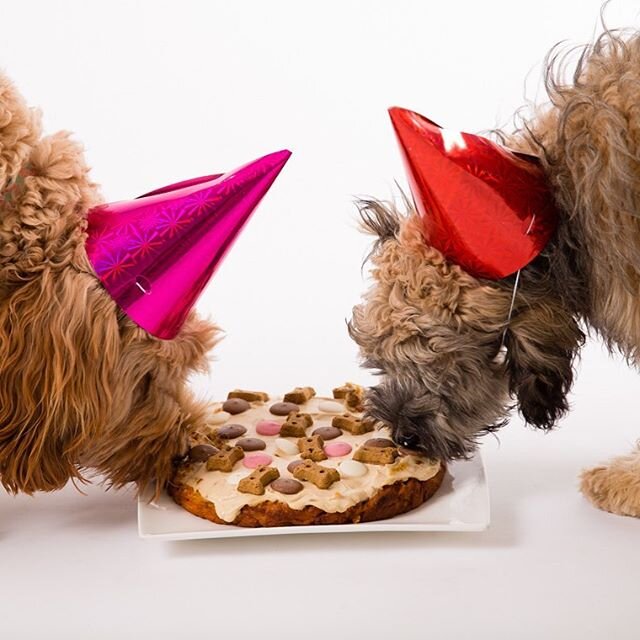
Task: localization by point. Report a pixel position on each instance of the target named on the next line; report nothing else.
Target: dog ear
(542, 342)
(58, 343)
(58, 331)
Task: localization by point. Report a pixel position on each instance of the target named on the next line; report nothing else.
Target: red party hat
(486, 208)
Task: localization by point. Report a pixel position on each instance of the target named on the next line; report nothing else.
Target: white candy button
(328, 406)
(219, 417)
(352, 469)
(286, 447)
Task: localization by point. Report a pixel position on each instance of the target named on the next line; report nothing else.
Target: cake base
(388, 501)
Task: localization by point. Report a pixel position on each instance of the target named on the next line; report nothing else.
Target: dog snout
(408, 441)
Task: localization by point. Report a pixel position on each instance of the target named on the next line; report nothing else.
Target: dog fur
(452, 365)
(81, 386)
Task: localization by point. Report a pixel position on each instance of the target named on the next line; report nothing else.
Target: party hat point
(486, 208)
(155, 254)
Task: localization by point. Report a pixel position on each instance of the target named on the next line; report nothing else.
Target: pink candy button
(255, 460)
(268, 428)
(337, 449)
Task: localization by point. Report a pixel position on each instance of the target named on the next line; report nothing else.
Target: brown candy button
(283, 408)
(379, 442)
(327, 433)
(201, 452)
(231, 431)
(235, 406)
(288, 486)
(292, 465)
(251, 444)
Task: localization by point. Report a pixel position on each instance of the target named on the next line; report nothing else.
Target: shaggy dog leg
(589, 141)
(615, 487)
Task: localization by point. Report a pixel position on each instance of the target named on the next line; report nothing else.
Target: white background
(161, 91)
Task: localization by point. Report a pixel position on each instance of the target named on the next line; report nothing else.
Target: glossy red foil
(486, 208)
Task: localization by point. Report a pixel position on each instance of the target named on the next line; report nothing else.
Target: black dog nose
(408, 442)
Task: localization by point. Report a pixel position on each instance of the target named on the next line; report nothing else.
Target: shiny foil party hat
(155, 254)
(486, 208)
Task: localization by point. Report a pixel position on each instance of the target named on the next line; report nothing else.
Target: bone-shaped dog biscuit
(296, 425)
(355, 426)
(225, 459)
(352, 394)
(322, 477)
(300, 395)
(258, 479)
(312, 448)
(249, 396)
(376, 455)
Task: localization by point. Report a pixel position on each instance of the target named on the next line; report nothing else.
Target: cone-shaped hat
(155, 254)
(486, 208)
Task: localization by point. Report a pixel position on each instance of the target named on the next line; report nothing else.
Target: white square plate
(461, 504)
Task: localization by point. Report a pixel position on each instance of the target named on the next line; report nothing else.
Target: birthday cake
(299, 459)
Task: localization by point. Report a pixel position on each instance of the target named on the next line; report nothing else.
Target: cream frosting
(220, 487)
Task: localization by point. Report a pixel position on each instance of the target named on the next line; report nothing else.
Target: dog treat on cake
(299, 459)
(352, 424)
(312, 448)
(296, 425)
(322, 477)
(352, 394)
(249, 396)
(300, 395)
(376, 454)
(224, 459)
(258, 479)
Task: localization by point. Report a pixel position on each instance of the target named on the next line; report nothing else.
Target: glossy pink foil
(156, 254)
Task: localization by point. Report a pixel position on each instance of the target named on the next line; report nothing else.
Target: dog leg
(615, 486)
(542, 342)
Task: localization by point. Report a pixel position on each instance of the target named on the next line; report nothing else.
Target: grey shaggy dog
(452, 365)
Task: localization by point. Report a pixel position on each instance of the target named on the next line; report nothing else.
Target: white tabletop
(549, 566)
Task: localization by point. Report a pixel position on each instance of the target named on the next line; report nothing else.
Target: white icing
(221, 488)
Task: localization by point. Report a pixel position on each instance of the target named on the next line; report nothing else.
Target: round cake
(299, 459)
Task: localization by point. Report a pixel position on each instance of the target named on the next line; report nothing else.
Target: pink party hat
(155, 255)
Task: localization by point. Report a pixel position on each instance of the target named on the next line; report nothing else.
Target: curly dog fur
(435, 333)
(81, 386)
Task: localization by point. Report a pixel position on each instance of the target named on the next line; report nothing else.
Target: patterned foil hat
(155, 254)
(486, 208)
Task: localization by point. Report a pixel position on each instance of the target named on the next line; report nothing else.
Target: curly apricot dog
(81, 386)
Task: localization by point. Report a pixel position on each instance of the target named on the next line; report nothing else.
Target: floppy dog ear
(542, 342)
(57, 347)
(58, 332)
